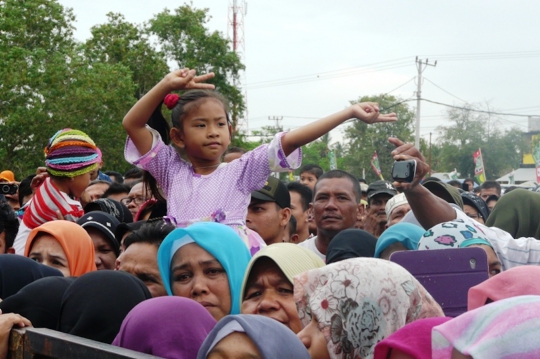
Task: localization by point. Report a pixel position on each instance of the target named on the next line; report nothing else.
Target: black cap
(274, 191)
(445, 191)
(112, 207)
(103, 222)
(381, 187)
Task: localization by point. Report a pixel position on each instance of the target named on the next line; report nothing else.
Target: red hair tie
(171, 100)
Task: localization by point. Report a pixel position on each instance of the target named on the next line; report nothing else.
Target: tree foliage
(185, 40)
(363, 140)
(467, 132)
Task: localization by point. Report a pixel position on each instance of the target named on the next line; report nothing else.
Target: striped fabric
(506, 329)
(43, 206)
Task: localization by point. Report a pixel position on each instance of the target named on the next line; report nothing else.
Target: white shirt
(310, 244)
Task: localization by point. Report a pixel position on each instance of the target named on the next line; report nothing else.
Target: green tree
(121, 42)
(467, 132)
(363, 140)
(185, 40)
(46, 86)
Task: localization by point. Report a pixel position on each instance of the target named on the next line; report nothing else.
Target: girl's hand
(38, 181)
(186, 79)
(368, 112)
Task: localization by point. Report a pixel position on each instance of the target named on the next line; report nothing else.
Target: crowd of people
(198, 251)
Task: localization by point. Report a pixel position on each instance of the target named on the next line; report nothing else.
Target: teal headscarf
(219, 240)
(405, 233)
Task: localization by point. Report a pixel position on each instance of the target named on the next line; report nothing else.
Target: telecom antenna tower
(235, 30)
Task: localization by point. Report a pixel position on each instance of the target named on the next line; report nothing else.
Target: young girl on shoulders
(205, 188)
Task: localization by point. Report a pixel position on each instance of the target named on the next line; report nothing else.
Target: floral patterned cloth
(359, 302)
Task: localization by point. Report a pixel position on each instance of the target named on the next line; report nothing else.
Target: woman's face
(313, 339)
(494, 264)
(196, 274)
(48, 251)
(268, 292)
(103, 249)
(234, 345)
(472, 213)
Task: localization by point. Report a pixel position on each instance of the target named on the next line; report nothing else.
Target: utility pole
(277, 119)
(429, 154)
(235, 30)
(421, 66)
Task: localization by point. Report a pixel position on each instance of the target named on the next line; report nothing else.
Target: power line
(440, 88)
(481, 111)
(400, 86)
(326, 72)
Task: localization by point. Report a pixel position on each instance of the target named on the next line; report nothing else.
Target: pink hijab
(514, 282)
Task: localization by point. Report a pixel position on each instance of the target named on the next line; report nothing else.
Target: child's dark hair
(188, 99)
(9, 224)
(315, 170)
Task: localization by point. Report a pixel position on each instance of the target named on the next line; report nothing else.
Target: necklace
(207, 166)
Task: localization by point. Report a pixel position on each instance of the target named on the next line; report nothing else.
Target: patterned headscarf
(454, 234)
(359, 302)
(71, 153)
(504, 329)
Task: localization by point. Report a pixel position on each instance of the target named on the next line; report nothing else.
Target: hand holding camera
(411, 165)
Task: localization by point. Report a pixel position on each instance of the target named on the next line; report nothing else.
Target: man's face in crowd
(486, 192)
(377, 206)
(268, 220)
(335, 206)
(96, 191)
(298, 212)
(140, 260)
(398, 213)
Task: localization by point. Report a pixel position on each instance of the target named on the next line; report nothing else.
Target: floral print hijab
(359, 302)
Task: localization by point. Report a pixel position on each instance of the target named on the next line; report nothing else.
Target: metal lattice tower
(235, 32)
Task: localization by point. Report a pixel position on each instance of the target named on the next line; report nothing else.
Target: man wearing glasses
(136, 197)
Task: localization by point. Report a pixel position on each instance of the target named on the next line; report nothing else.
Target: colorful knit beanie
(71, 153)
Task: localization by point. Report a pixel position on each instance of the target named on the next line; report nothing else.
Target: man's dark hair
(99, 182)
(341, 174)
(151, 233)
(315, 170)
(117, 176)
(306, 194)
(454, 183)
(25, 189)
(116, 188)
(492, 184)
(9, 223)
(134, 173)
(292, 225)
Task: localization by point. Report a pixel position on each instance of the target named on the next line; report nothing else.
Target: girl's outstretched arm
(135, 120)
(365, 111)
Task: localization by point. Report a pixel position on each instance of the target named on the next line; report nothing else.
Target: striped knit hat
(71, 153)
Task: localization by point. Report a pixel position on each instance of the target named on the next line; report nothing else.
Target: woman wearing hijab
(349, 306)
(267, 288)
(178, 326)
(517, 214)
(251, 336)
(504, 329)
(350, 243)
(458, 234)
(63, 245)
(511, 283)
(205, 262)
(399, 237)
(95, 304)
(18, 271)
(413, 341)
(39, 301)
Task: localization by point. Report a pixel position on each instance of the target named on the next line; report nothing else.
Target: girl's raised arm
(367, 112)
(135, 120)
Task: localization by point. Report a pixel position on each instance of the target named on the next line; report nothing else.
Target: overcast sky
(375, 43)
